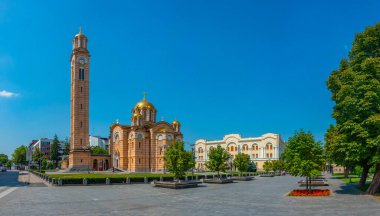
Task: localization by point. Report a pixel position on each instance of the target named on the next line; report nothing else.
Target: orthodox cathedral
(140, 147)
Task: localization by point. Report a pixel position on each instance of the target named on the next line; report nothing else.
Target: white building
(99, 141)
(260, 149)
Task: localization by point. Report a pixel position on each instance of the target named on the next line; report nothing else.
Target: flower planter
(176, 184)
(313, 193)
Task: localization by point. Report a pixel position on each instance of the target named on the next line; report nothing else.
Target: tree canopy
(3, 159)
(355, 89)
(98, 150)
(303, 156)
(19, 155)
(66, 146)
(54, 150)
(37, 154)
(178, 160)
(218, 158)
(241, 162)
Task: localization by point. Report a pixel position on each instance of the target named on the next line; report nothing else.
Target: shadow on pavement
(349, 189)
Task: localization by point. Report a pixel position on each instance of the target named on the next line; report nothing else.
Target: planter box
(218, 181)
(242, 178)
(314, 192)
(175, 184)
(266, 175)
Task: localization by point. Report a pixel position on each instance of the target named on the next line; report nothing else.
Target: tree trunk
(307, 183)
(346, 170)
(374, 186)
(364, 175)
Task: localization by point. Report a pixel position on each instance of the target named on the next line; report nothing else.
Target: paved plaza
(263, 196)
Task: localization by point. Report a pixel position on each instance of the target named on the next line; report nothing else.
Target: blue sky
(219, 67)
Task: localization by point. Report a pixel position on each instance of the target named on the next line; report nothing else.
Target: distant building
(44, 145)
(99, 141)
(260, 149)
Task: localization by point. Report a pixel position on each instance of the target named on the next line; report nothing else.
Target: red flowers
(314, 192)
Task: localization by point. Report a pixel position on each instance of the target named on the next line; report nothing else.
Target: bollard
(213, 176)
(196, 178)
(161, 178)
(108, 181)
(145, 180)
(59, 182)
(186, 178)
(128, 181)
(84, 181)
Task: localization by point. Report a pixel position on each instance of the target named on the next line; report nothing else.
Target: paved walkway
(31, 179)
(263, 196)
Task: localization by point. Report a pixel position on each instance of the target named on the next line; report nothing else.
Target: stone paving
(263, 196)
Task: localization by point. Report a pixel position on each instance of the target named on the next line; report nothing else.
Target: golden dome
(144, 104)
(175, 122)
(80, 33)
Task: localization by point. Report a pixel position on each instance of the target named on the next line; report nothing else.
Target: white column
(275, 152)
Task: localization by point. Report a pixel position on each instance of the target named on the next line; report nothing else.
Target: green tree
(66, 146)
(241, 162)
(355, 89)
(44, 163)
(337, 150)
(9, 164)
(3, 159)
(178, 160)
(38, 156)
(252, 167)
(98, 150)
(19, 155)
(267, 166)
(303, 156)
(218, 158)
(278, 165)
(50, 165)
(54, 150)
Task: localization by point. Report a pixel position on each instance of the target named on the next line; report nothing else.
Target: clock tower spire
(79, 158)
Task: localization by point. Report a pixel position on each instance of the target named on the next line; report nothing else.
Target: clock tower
(79, 158)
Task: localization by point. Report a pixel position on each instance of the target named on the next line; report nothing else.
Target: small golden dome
(136, 115)
(144, 104)
(175, 122)
(80, 33)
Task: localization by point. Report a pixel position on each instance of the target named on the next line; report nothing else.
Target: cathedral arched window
(160, 137)
(170, 137)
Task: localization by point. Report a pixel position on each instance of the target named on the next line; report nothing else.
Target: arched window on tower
(81, 73)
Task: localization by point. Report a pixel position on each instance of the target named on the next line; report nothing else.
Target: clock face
(82, 60)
